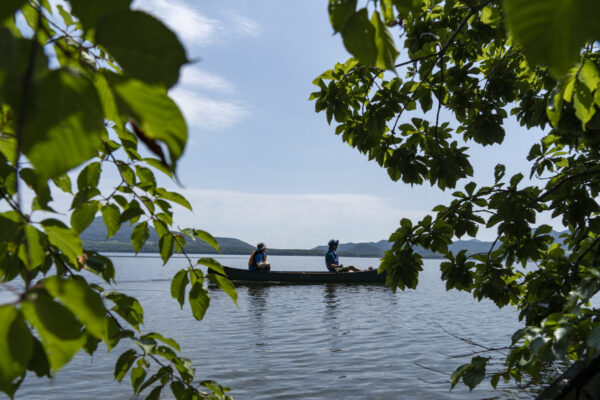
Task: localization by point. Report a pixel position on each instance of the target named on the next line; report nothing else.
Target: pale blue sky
(260, 164)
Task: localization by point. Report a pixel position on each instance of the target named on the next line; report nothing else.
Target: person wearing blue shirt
(332, 261)
(258, 259)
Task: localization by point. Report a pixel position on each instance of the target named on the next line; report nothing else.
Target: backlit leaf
(386, 50)
(339, 12)
(157, 115)
(552, 31)
(83, 302)
(91, 12)
(359, 38)
(143, 46)
(65, 123)
(16, 345)
(57, 327)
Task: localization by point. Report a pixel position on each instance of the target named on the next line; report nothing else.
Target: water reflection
(257, 307)
(330, 317)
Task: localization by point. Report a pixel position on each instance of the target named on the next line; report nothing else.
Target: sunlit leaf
(124, 363)
(64, 238)
(139, 235)
(127, 307)
(178, 284)
(84, 215)
(111, 217)
(199, 300)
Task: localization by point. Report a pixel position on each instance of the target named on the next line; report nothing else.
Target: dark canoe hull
(243, 275)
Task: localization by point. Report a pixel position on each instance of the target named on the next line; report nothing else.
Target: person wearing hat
(332, 261)
(258, 259)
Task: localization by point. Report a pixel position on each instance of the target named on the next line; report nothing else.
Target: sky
(260, 164)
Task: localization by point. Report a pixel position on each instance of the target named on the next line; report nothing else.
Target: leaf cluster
(464, 68)
(80, 89)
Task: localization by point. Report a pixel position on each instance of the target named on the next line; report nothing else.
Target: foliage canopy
(480, 62)
(81, 88)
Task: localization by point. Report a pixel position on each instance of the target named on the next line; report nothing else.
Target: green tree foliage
(477, 62)
(81, 88)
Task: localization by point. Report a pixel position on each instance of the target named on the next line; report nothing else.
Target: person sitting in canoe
(332, 262)
(258, 259)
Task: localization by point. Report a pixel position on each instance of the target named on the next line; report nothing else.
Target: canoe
(244, 275)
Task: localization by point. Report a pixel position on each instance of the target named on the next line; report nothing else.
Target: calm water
(303, 341)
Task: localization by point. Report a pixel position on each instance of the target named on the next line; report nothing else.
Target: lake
(304, 342)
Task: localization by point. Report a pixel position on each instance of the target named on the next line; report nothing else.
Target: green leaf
(339, 12)
(82, 301)
(64, 123)
(89, 177)
(386, 50)
(175, 197)
(9, 7)
(64, 238)
(57, 328)
(155, 393)
(33, 252)
(157, 115)
(490, 15)
(588, 75)
(127, 307)
(207, 238)
(158, 336)
(165, 245)
(143, 46)
(225, 284)
(178, 284)
(138, 374)
(16, 346)
(552, 31)
(139, 235)
(593, 340)
(91, 12)
(84, 215)
(199, 300)
(111, 217)
(583, 102)
(39, 361)
(359, 38)
(211, 263)
(124, 363)
(63, 182)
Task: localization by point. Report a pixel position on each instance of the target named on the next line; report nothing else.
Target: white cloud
(203, 80)
(189, 24)
(207, 113)
(292, 221)
(194, 27)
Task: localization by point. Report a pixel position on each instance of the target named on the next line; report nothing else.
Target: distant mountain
(94, 238)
